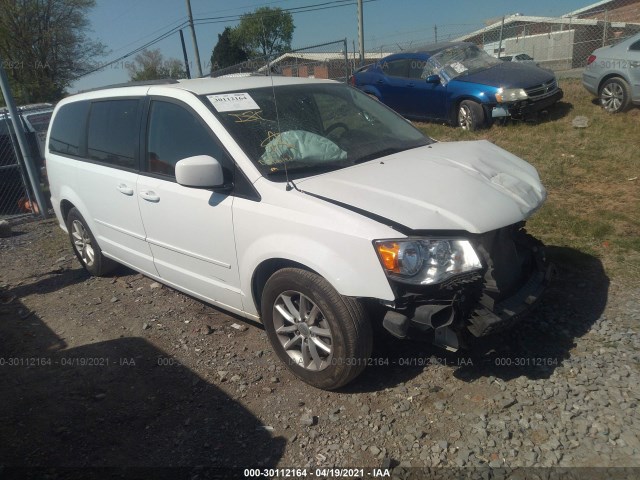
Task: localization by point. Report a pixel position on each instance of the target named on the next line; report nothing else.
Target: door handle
(411, 84)
(150, 196)
(380, 81)
(125, 189)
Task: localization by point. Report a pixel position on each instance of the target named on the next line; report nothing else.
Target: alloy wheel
(303, 331)
(465, 120)
(612, 97)
(82, 243)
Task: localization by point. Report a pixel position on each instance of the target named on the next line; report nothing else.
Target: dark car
(458, 83)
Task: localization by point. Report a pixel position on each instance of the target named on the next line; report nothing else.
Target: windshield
(312, 128)
(461, 60)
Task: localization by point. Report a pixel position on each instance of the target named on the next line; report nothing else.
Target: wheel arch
(453, 114)
(609, 76)
(265, 270)
(65, 208)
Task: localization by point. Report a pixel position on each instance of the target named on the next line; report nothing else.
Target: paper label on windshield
(233, 102)
(458, 67)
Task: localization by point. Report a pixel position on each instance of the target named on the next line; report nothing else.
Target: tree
(265, 32)
(227, 51)
(44, 46)
(151, 65)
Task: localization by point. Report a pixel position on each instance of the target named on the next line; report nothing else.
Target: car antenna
(290, 185)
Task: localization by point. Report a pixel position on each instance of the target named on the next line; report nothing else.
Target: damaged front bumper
(514, 276)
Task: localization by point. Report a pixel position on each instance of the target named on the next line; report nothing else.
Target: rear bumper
(590, 82)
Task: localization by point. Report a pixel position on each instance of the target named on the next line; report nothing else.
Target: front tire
(470, 115)
(324, 338)
(615, 95)
(85, 246)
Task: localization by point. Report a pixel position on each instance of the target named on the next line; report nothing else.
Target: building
(561, 43)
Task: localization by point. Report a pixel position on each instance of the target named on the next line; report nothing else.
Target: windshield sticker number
(458, 67)
(233, 102)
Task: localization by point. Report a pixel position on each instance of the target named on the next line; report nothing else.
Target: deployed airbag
(300, 145)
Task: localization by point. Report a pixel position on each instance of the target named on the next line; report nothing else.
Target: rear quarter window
(68, 128)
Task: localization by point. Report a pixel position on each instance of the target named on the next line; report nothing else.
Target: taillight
(591, 59)
(352, 80)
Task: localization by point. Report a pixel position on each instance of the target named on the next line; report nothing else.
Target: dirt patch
(121, 371)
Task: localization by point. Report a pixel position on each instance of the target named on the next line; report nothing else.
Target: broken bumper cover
(482, 303)
(522, 109)
(488, 319)
(484, 320)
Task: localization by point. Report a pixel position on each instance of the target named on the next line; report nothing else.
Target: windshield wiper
(317, 168)
(381, 153)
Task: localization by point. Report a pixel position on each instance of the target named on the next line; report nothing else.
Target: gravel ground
(123, 371)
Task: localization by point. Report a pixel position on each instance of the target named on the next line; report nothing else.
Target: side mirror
(201, 171)
(433, 79)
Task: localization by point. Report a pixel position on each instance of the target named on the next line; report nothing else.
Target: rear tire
(470, 115)
(615, 95)
(324, 338)
(86, 247)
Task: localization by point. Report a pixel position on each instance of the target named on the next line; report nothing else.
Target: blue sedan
(458, 83)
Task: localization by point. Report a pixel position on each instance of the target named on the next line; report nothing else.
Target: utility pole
(435, 32)
(500, 44)
(34, 178)
(184, 53)
(361, 32)
(195, 41)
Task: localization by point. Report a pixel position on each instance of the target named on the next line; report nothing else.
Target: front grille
(543, 90)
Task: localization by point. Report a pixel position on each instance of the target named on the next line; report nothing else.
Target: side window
(68, 128)
(397, 68)
(175, 133)
(635, 47)
(419, 69)
(113, 132)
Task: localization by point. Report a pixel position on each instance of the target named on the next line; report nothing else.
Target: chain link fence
(559, 43)
(17, 199)
(330, 60)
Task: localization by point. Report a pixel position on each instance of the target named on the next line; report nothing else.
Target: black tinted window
(397, 68)
(68, 128)
(417, 69)
(113, 132)
(635, 46)
(175, 133)
(39, 121)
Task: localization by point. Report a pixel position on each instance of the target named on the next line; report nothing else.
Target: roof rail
(141, 83)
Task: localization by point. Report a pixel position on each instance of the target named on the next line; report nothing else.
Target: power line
(230, 18)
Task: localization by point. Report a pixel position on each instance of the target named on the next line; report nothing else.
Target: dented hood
(473, 186)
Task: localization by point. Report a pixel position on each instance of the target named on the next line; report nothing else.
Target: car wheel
(614, 95)
(470, 115)
(324, 338)
(85, 246)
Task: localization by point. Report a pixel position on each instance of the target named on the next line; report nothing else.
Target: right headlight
(504, 95)
(426, 261)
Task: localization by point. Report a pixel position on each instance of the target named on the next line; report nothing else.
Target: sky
(124, 25)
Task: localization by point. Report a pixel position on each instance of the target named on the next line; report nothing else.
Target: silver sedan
(613, 74)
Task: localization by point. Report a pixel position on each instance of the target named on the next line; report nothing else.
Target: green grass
(592, 176)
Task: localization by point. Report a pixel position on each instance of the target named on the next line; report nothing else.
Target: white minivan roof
(198, 86)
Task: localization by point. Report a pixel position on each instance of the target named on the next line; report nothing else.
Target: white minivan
(301, 203)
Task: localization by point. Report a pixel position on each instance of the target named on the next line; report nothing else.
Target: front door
(189, 230)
